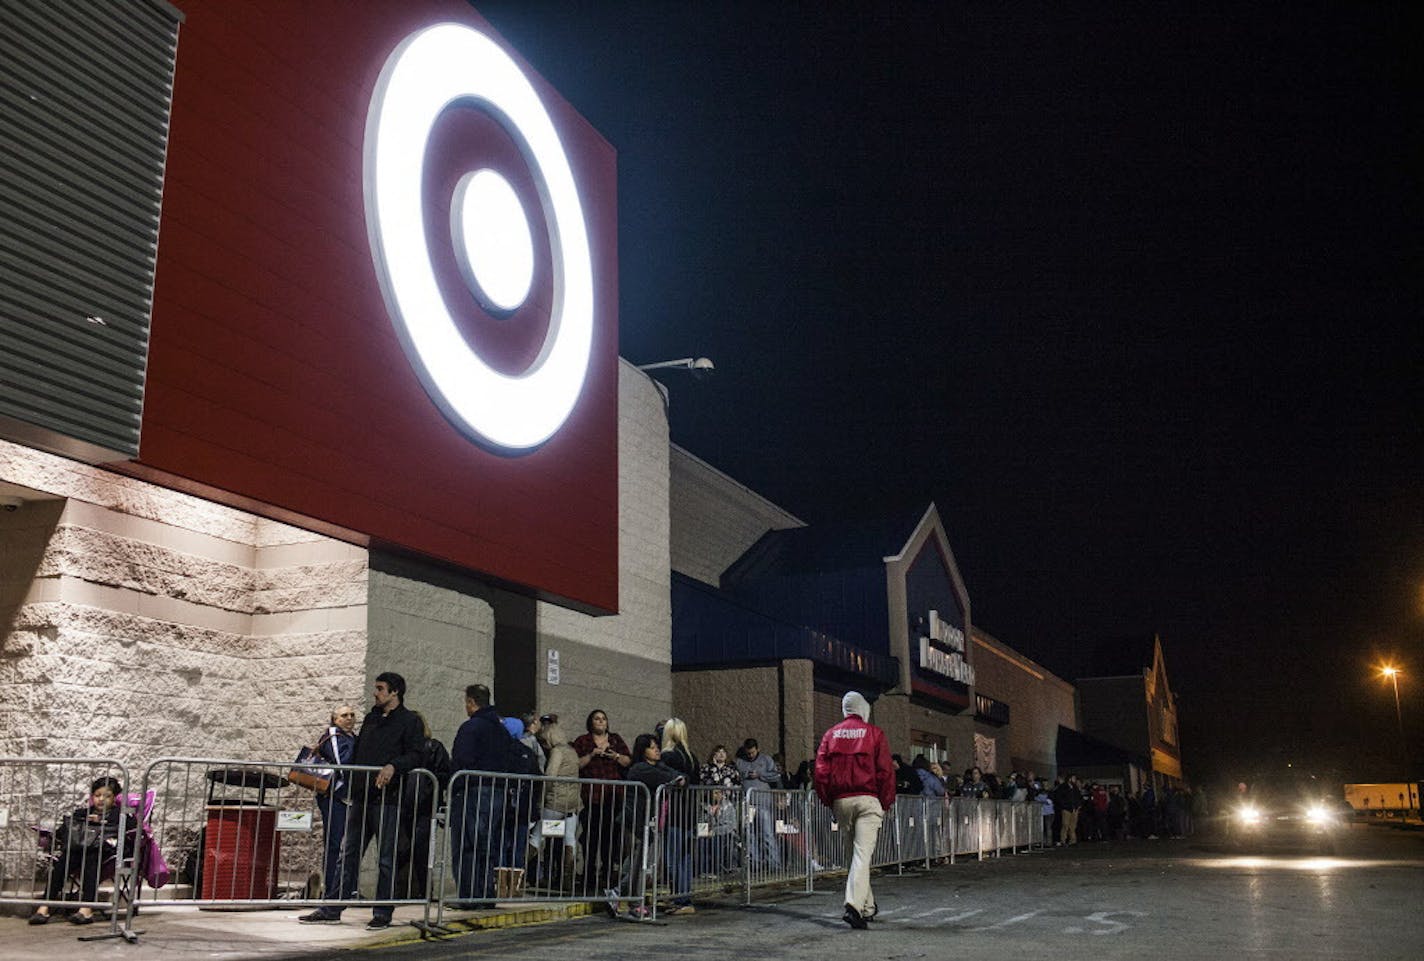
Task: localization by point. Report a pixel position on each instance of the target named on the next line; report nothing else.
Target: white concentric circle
(491, 238)
(429, 70)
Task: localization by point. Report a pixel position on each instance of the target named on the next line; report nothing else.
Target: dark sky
(1131, 292)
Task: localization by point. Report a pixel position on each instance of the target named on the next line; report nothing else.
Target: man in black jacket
(391, 738)
(1068, 798)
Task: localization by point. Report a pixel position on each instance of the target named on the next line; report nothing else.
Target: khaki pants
(1069, 834)
(858, 819)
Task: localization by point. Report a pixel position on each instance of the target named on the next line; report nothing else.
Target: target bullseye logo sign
(490, 234)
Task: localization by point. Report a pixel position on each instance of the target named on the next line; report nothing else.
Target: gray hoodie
(768, 777)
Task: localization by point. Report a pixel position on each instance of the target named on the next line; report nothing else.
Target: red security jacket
(854, 760)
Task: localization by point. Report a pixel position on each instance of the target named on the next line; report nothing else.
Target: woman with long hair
(562, 802)
(603, 755)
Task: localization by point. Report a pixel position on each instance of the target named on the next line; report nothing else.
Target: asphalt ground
(1137, 899)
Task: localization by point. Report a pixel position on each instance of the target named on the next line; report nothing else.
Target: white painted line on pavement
(957, 917)
(1008, 921)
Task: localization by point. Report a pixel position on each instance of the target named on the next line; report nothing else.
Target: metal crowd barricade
(969, 828)
(773, 837)
(939, 823)
(527, 838)
(54, 843)
(827, 841)
(887, 846)
(910, 815)
(242, 834)
(699, 845)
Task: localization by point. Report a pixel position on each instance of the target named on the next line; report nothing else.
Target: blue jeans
(761, 834)
(678, 852)
(381, 822)
(476, 814)
(333, 825)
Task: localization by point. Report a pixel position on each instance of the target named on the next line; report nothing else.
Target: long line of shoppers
(498, 825)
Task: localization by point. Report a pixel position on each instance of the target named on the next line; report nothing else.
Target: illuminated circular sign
(427, 72)
(492, 241)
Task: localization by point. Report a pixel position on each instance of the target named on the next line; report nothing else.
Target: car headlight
(1318, 814)
(1248, 814)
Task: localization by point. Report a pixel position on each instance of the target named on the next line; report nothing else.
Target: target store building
(309, 371)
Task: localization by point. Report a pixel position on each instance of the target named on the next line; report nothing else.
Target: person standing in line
(602, 755)
(530, 737)
(1068, 798)
(760, 777)
(856, 779)
(477, 800)
(392, 739)
(562, 802)
(720, 850)
(676, 753)
(419, 801)
(336, 746)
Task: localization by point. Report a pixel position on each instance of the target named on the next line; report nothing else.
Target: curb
(516, 918)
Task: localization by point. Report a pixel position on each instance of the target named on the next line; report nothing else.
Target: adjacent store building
(773, 620)
(1128, 705)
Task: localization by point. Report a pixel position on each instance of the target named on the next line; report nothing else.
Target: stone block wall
(439, 639)
(621, 663)
(727, 706)
(145, 622)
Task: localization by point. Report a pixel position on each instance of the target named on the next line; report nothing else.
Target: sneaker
(853, 918)
(319, 917)
(378, 922)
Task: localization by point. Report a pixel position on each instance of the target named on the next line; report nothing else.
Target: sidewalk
(186, 932)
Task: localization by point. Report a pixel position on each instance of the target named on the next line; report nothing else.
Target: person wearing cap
(521, 797)
(856, 780)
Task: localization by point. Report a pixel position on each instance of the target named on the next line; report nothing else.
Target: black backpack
(520, 758)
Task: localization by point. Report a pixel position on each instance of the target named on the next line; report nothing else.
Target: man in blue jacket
(477, 800)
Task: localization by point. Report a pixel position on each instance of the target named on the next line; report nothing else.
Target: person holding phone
(604, 755)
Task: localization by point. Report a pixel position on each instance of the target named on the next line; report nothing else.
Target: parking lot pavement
(1134, 900)
(1138, 899)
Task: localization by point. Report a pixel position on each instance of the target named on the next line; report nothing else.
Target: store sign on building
(489, 233)
(386, 296)
(942, 650)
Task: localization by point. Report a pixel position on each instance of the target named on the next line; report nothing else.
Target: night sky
(1130, 292)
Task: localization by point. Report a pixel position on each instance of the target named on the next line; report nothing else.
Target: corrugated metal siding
(85, 91)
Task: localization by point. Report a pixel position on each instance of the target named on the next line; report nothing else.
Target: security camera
(701, 368)
(10, 503)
